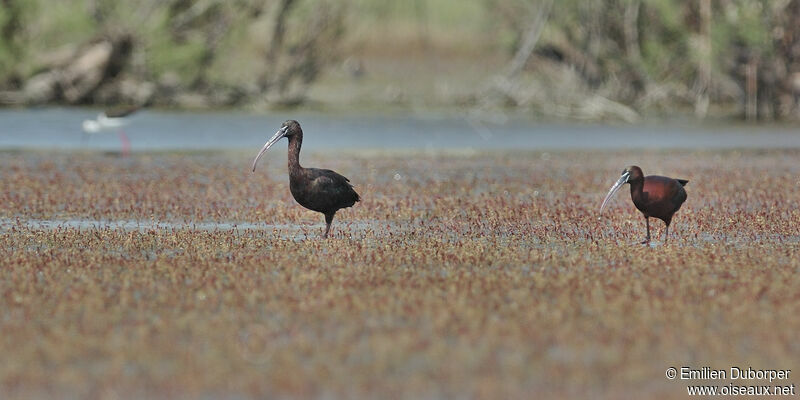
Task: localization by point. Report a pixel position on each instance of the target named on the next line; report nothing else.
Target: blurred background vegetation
(582, 59)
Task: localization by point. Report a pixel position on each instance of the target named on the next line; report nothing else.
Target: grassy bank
(595, 60)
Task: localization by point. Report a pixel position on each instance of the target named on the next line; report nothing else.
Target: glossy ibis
(655, 196)
(110, 120)
(320, 190)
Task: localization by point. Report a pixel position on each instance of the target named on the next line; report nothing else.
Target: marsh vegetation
(482, 275)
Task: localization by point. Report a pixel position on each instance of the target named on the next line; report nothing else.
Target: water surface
(60, 128)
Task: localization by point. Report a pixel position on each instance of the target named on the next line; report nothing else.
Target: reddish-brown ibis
(320, 190)
(655, 196)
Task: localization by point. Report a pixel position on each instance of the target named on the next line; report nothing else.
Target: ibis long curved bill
(622, 180)
(278, 135)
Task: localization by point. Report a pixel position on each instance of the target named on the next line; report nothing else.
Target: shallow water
(283, 231)
(135, 225)
(59, 128)
(299, 232)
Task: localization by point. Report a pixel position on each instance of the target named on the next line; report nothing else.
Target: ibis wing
(661, 196)
(333, 186)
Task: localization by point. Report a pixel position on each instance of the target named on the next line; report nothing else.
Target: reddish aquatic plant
(472, 275)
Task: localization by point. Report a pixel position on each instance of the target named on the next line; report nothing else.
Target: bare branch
(531, 37)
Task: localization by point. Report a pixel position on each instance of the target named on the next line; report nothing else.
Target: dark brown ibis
(320, 190)
(655, 196)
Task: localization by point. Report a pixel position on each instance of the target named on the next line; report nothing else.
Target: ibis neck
(295, 141)
(636, 188)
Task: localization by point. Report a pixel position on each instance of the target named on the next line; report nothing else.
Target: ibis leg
(666, 234)
(647, 222)
(328, 221)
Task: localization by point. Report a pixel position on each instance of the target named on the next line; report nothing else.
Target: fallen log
(74, 77)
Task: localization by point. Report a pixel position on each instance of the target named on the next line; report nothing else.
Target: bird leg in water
(647, 239)
(328, 220)
(126, 143)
